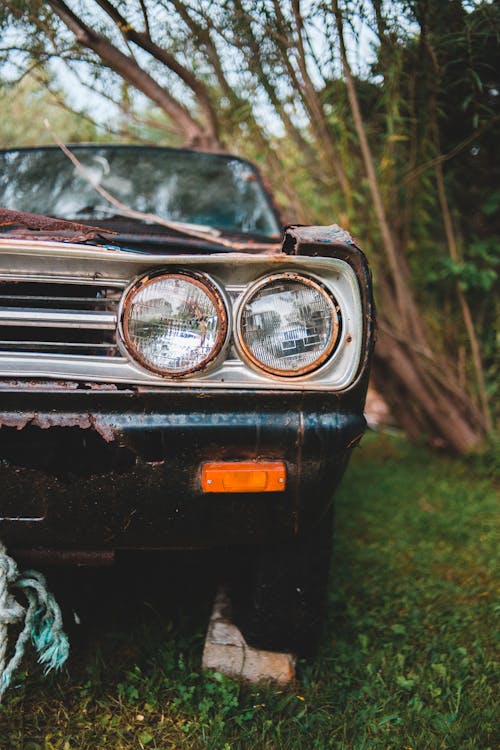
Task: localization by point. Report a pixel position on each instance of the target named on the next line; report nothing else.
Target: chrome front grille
(58, 318)
(59, 305)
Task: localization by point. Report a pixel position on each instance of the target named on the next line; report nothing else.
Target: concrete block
(226, 651)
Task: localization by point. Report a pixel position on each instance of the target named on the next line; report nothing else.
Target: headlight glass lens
(289, 325)
(174, 324)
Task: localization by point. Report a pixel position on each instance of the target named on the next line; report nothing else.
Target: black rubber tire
(278, 594)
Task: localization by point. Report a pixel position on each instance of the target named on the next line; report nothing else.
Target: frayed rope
(42, 621)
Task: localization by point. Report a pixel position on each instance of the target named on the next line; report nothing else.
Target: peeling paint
(57, 385)
(22, 225)
(46, 385)
(47, 420)
(332, 233)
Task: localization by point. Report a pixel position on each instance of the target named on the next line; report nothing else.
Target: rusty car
(178, 370)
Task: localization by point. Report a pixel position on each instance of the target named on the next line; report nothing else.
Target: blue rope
(42, 621)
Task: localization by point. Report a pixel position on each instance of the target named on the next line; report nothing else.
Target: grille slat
(27, 299)
(52, 345)
(57, 318)
(14, 316)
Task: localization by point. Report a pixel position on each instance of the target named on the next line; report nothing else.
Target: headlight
(173, 323)
(288, 324)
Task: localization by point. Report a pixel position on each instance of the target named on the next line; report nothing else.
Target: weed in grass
(407, 660)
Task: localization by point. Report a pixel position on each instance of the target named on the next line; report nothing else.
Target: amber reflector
(243, 476)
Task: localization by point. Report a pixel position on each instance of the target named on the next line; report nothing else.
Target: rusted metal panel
(7, 384)
(82, 558)
(53, 419)
(20, 225)
(125, 472)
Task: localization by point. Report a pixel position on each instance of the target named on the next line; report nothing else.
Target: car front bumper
(98, 468)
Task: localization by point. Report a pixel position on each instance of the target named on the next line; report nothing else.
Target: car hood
(127, 235)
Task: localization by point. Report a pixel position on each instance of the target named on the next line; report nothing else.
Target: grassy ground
(406, 663)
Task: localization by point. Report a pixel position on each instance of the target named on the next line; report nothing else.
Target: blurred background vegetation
(383, 116)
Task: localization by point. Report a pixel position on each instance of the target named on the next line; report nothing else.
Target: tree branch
(128, 69)
(145, 16)
(403, 295)
(144, 41)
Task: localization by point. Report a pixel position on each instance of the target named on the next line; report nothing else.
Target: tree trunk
(420, 388)
(423, 398)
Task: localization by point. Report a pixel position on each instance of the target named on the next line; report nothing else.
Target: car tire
(278, 594)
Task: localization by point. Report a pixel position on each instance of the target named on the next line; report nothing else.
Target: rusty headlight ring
(314, 285)
(201, 283)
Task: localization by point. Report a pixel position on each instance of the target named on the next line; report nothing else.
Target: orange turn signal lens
(243, 476)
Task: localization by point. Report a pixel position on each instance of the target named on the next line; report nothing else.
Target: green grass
(407, 660)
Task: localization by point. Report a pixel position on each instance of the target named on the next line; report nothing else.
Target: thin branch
(409, 318)
(256, 66)
(145, 16)
(24, 72)
(129, 113)
(462, 300)
(61, 102)
(309, 97)
(439, 373)
(450, 154)
(453, 250)
(202, 34)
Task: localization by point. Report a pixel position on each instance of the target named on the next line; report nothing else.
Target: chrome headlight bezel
(247, 355)
(198, 279)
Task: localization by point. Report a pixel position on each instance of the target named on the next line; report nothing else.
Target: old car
(177, 370)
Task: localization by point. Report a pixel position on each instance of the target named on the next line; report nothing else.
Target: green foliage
(478, 270)
(407, 659)
(24, 108)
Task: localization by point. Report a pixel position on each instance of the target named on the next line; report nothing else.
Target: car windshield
(178, 185)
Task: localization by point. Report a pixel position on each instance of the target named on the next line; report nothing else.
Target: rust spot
(104, 429)
(21, 225)
(355, 441)
(47, 385)
(13, 419)
(101, 386)
(45, 421)
(48, 420)
(331, 234)
(55, 385)
(83, 558)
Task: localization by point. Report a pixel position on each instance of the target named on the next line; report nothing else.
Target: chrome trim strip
(44, 318)
(32, 346)
(40, 278)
